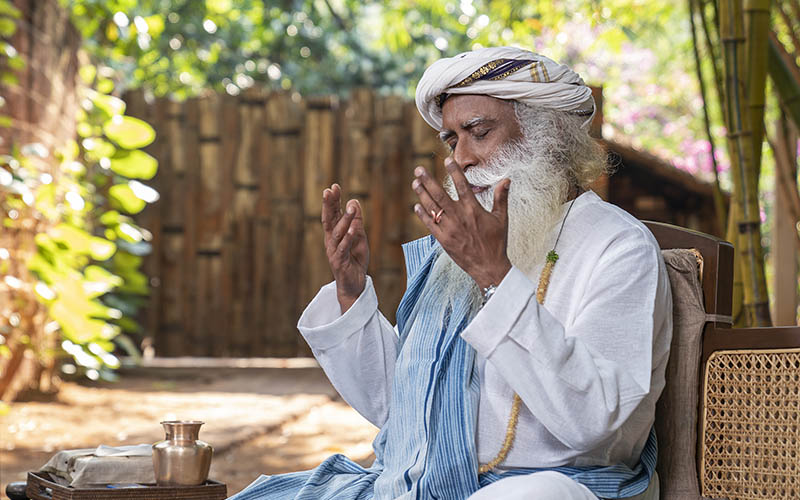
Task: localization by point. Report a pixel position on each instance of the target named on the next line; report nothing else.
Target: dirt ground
(259, 420)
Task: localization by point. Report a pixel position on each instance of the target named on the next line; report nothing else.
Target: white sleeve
(356, 349)
(584, 381)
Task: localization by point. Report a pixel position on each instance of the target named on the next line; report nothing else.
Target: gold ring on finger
(437, 216)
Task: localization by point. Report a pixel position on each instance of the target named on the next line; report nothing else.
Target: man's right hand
(345, 245)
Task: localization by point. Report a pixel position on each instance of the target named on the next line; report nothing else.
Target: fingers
(357, 225)
(500, 205)
(342, 226)
(331, 207)
(427, 203)
(463, 187)
(432, 188)
(427, 219)
(346, 243)
(353, 232)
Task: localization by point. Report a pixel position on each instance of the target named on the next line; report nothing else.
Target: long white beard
(537, 191)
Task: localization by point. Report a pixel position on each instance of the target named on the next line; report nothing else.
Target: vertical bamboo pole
(192, 205)
(248, 124)
(286, 118)
(319, 166)
(235, 250)
(210, 229)
(745, 175)
(757, 22)
(262, 231)
(389, 200)
(174, 273)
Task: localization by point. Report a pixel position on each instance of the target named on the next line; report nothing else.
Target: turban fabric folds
(506, 73)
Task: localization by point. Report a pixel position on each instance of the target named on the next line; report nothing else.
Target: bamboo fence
(237, 241)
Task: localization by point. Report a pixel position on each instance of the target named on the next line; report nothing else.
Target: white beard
(537, 192)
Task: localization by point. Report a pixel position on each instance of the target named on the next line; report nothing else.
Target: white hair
(554, 156)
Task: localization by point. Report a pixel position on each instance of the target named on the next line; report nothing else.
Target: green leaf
(134, 164)
(129, 325)
(123, 196)
(15, 63)
(105, 86)
(99, 281)
(101, 149)
(135, 282)
(629, 33)
(7, 27)
(111, 105)
(78, 240)
(101, 249)
(9, 79)
(129, 132)
(87, 73)
(84, 129)
(110, 218)
(8, 9)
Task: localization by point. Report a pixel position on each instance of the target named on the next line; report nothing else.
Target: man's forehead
(464, 111)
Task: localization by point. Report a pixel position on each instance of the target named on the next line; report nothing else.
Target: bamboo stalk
(737, 307)
(757, 22)
(756, 302)
(719, 85)
(719, 199)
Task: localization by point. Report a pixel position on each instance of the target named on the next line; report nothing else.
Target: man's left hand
(474, 238)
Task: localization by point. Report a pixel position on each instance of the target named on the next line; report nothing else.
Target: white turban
(505, 73)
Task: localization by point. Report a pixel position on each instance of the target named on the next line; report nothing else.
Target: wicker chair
(728, 422)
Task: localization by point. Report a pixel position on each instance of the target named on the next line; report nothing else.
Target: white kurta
(588, 365)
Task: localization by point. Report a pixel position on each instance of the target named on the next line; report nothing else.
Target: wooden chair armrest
(731, 339)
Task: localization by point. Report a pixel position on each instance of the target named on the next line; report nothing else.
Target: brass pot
(181, 459)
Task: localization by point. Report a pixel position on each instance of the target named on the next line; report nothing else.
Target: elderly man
(532, 339)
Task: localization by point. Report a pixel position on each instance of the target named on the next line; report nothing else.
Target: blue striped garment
(426, 448)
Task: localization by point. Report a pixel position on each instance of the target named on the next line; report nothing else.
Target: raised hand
(475, 238)
(345, 245)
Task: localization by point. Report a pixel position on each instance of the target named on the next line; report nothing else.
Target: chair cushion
(676, 410)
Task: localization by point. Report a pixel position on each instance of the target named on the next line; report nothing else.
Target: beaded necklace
(513, 419)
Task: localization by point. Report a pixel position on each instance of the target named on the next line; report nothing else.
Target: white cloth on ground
(588, 365)
(102, 465)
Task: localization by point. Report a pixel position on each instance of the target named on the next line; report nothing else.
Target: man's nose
(464, 157)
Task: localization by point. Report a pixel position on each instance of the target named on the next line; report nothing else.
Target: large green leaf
(123, 196)
(99, 281)
(129, 132)
(134, 164)
(78, 240)
(101, 249)
(111, 105)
